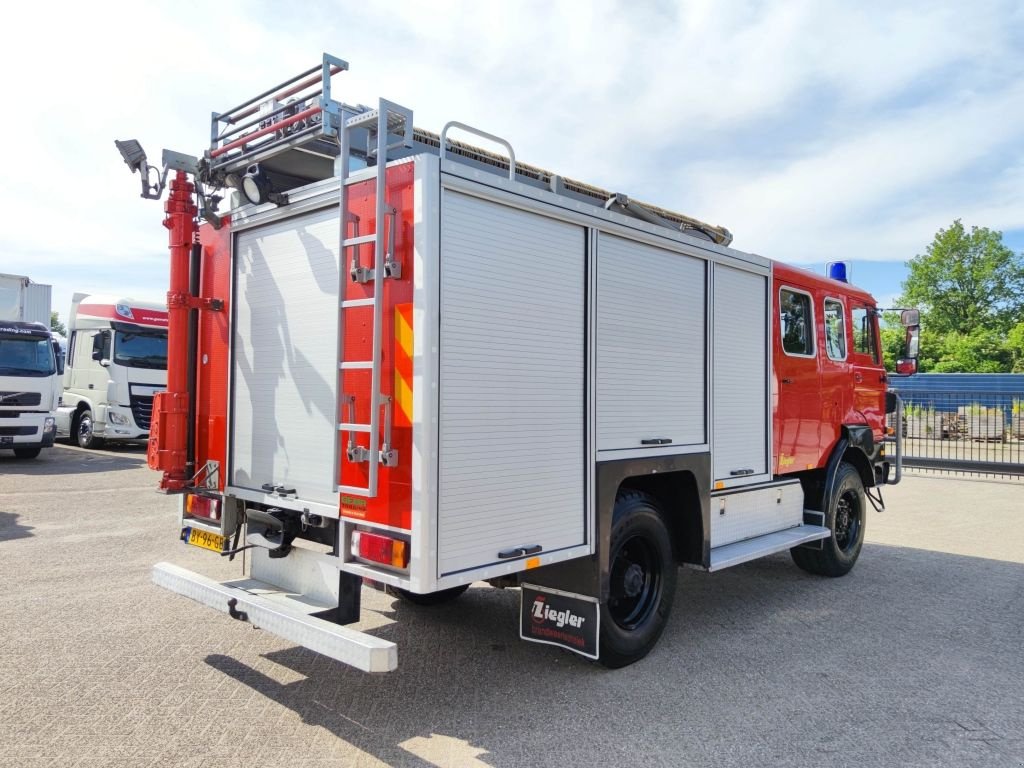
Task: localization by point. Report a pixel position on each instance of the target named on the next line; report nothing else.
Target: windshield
(26, 356)
(141, 349)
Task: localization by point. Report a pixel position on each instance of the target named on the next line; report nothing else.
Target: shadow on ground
(912, 659)
(11, 529)
(63, 459)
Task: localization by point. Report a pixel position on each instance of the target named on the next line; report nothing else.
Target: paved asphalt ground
(914, 659)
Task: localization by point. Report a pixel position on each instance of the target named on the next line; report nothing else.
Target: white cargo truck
(116, 361)
(23, 300)
(29, 376)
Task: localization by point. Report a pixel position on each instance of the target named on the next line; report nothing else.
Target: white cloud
(813, 130)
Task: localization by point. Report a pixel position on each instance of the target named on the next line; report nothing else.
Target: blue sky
(814, 131)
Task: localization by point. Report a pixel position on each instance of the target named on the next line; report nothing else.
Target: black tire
(845, 517)
(642, 581)
(431, 598)
(83, 431)
(27, 453)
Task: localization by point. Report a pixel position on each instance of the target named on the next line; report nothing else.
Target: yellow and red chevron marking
(403, 365)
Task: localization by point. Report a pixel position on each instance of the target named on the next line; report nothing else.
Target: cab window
(796, 322)
(835, 329)
(864, 337)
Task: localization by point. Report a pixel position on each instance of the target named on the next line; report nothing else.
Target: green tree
(982, 351)
(1015, 346)
(967, 281)
(57, 325)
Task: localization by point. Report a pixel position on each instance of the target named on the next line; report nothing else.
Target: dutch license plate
(204, 539)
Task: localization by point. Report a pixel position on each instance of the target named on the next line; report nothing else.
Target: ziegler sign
(560, 618)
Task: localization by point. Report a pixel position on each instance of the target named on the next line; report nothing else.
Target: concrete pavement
(914, 659)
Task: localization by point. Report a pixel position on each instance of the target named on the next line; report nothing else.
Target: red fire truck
(401, 360)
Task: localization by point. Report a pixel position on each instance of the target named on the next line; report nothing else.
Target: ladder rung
(349, 427)
(366, 118)
(350, 303)
(361, 240)
(351, 489)
(356, 365)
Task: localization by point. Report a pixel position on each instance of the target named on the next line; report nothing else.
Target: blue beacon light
(837, 271)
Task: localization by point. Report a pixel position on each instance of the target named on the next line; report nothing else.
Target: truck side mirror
(58, 358)
(907, 365)
(910, 317)
(101, 346)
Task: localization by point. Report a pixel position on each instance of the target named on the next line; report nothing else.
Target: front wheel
(642, 581)
(85, 436)
(845, 517)
(27, 453)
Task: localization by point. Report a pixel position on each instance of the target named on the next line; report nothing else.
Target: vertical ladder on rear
(386, 120)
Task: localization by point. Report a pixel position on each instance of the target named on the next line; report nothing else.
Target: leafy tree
(57, 325)
(966, 281)
(1015, 346)
(982, 351)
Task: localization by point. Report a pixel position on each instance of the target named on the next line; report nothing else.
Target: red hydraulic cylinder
(169, 426)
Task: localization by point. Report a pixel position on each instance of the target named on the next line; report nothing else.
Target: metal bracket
(210, 472)
(388, 456)
(392, 267)
(355, 453)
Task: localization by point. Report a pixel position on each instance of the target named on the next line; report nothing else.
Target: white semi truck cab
(29, 388)
(116, 361)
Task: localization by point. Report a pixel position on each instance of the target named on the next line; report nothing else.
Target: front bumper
(27, 430)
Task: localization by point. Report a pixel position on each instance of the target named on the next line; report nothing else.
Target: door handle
(523, 551)
(858, 378)
(787, 381)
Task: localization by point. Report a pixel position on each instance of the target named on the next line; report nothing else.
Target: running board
(283, 614)
(733, 554)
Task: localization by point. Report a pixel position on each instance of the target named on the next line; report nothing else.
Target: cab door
(867, 368)
(796, 379)
(836, 393)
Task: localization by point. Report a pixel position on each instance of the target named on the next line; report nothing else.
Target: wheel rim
(635, 583)
(85, 430)
(849, 515)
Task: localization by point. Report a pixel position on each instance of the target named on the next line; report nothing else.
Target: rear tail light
(380, 549)
(202, 506)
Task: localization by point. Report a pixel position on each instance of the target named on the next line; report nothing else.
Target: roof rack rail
(291, 133)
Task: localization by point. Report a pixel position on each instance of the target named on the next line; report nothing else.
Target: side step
(283, 614)
(740, 552)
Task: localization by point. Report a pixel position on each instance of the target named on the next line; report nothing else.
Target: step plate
(740, 552)
(287, 616)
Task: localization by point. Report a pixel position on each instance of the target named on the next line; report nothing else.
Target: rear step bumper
(279, 613)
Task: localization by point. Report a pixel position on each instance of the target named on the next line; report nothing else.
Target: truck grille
(17, 431)
(142, 410)
(20, 398)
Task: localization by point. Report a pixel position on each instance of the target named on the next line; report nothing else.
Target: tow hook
(233, 611)
(273, 530)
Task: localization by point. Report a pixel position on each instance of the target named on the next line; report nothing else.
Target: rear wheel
(27, 453)
(845, 518)
(84, 433)
(432, 598)
(642, 581)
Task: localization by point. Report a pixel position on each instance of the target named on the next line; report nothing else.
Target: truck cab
(116, 362)
(29, 388)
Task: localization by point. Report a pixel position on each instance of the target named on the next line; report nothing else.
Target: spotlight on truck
(255, 185)
(133, 153)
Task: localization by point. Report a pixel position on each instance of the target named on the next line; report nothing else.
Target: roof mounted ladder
(387, 120)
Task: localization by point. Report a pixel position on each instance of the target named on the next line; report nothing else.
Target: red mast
(169, 428)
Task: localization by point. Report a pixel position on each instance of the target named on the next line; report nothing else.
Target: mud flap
(565, 619)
